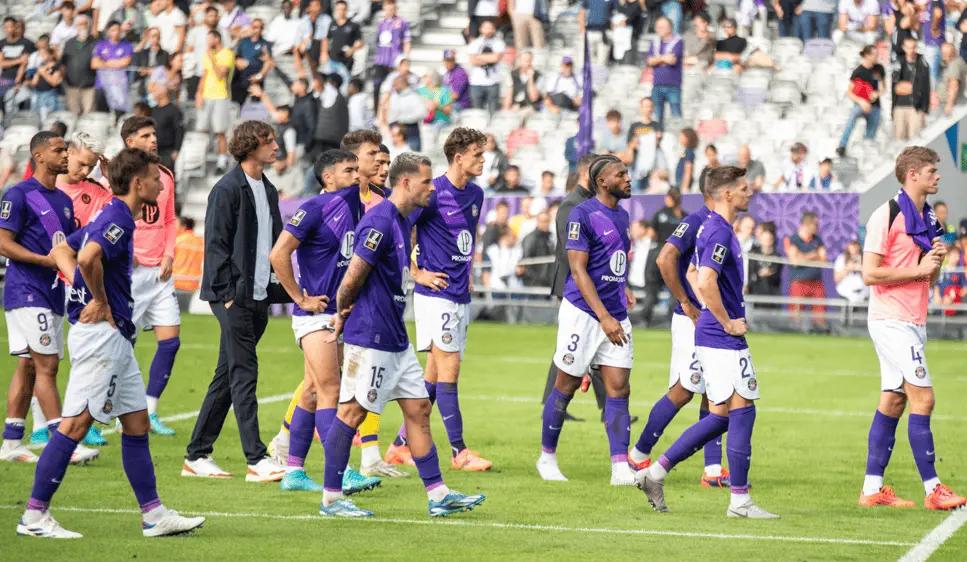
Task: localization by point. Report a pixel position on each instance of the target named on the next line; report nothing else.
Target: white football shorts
(374, 377)
(35, 328)
(900, 347)
(302, 326)
(728, 371)
(685, 366)
(155, 303)
(582, 343)
(440, 322)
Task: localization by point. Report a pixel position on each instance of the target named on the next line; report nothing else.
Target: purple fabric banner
(584, 141)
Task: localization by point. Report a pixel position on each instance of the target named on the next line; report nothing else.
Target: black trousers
(380, 73)
(236, 377)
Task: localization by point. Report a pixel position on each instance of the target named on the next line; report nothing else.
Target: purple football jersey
(717, 247)
(446, 232)
(382, 241)
(38, 217)
(601, 232)
(113, 230)
(683, 238)
(325, 226)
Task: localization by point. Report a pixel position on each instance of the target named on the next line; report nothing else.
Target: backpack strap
(894, 213)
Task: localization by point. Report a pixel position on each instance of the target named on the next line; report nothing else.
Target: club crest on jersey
(5, 209)
(696, 377)
(44, 340)
(681, 230)
(573, 230)
(85, 198)
(108, 406)
(568, 359)
(446, 338)
(718, 253)
(920, 372)
(296, 219)
(753, 384)
(371, 395)
(373, 238)
(113, 233)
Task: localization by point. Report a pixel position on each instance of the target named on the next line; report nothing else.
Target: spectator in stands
(392, 40)
(951, 287)
(510, 183)
(933, 29)
(112, 56)
(594, 17)
(626, 30)
(546, 188)
(313, 35)
(147, 58)
(848, 273)
(437, 98)
(865, 87)
(950, 229)
(189, 256)
(745, 232)
(406, 108)
(303, 113)
(456, 78)
(170, 21)
(360, 114)
(962, 28)
(332, 115)
(765, 276)
(643, 273)
(501, 216)
(283, 30)
(951, 86)
(824, 179)
(65, 28)
(212, 98)
(563, 91)
(479, 12)
(15, 49)
(806, 281)
(643, 151)
(613, 139)
(729, 50)
(45, 83)
(503, 257)
(495, 162)
(787, 14)
(858, 21)
(902, 20)
(911, 92)
(524, 95)
(397, 141)
(253, 61)
(345, 38)
(133, 19)
(668, 217)
(816, 19)
(699, 43)
(665, 59)
(755, 172)
(793, 176)
(538, 243)
(234, 21)
(711, 162)
(169, 123)
(196, 45)
(685, 169)
(485, 53)
(527, 18)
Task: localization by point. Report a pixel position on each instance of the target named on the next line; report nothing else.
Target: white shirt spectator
(168, 24)
(856, 15)
(487, 75)
(570, 86)
(359, 11)
(795, 177)
(486, 8)
(197, 41)
(61, 33)
(851, 287)
(524, 7)
(503, 262)
(406, 107)
(360, 112)
(639, 259)
(283, 33)
(104, 9)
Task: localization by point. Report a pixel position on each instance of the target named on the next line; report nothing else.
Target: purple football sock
(401, 434)
(660, 416)
(429, 468)
(324, 419)
(338, 443)
(739, 449)
(880, 443)
(51, 469)
(555, 409)
(52, 425)
(13, 430)
(449, 406)
(617, 424)
(161, 365)
(921, 442)
(300, 436)
(136, 458)
(700, 433)
(712, 449)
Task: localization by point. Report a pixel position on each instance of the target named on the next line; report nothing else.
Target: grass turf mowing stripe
(935, 538)
(509, 526)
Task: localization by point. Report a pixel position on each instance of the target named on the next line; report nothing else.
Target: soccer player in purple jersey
(321, 235)
(446, 231)
(380, 364)
(35, 216)
(593, 325)
(721, 348)
(105, 381)
(685, 378)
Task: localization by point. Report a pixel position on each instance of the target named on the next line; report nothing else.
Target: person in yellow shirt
(213, 98)
(189, 253)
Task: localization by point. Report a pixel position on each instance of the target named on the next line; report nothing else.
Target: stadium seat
(819, 48)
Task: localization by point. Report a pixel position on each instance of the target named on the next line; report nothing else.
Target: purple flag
(584, 142)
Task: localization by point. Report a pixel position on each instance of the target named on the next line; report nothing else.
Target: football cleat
(353, 482)
(158, 427)
(471, 461)
(39, 437)
(382, 468)
(171, 524)
(550, 471)
(454, 502)
(885, 497)
(720, 481)
(622, 475)
(399, 454)
(83, 455)
(943, 498)
(654, 490)
(343, 508)
(203, 467)
(15, 451)
(749, 510)
(266, 470)
(93, 437)
(46, 528)
(279, 447)
(298, 481)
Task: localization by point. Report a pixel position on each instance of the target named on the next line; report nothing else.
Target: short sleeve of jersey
(108, 234)
(373, 237)
(578, 233)
(683, 236)
(12, 208)
(716, 250)
(877, 231)
(304, 221)
(76, 239)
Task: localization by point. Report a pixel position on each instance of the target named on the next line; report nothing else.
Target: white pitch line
(194, 413)
(935, 538)
(510, 526)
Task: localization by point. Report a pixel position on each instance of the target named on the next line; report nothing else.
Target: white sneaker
(83, 455)
(279, 447)
(622, 475)
(266, 470)
(203, 467)
(16, 451)
(383, 469)
(549, 470)
(171, 524)
(749, 510)
(46, 528)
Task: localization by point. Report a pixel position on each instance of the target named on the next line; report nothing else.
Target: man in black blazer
(242, 223)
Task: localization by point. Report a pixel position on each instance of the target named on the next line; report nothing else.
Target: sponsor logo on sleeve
(113, 233)
(296, 219)
(573, 230)
(373, 238)
(5, 209)
(681, 230)
(718, 253)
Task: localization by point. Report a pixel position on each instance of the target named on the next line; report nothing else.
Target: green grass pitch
(818, 395)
